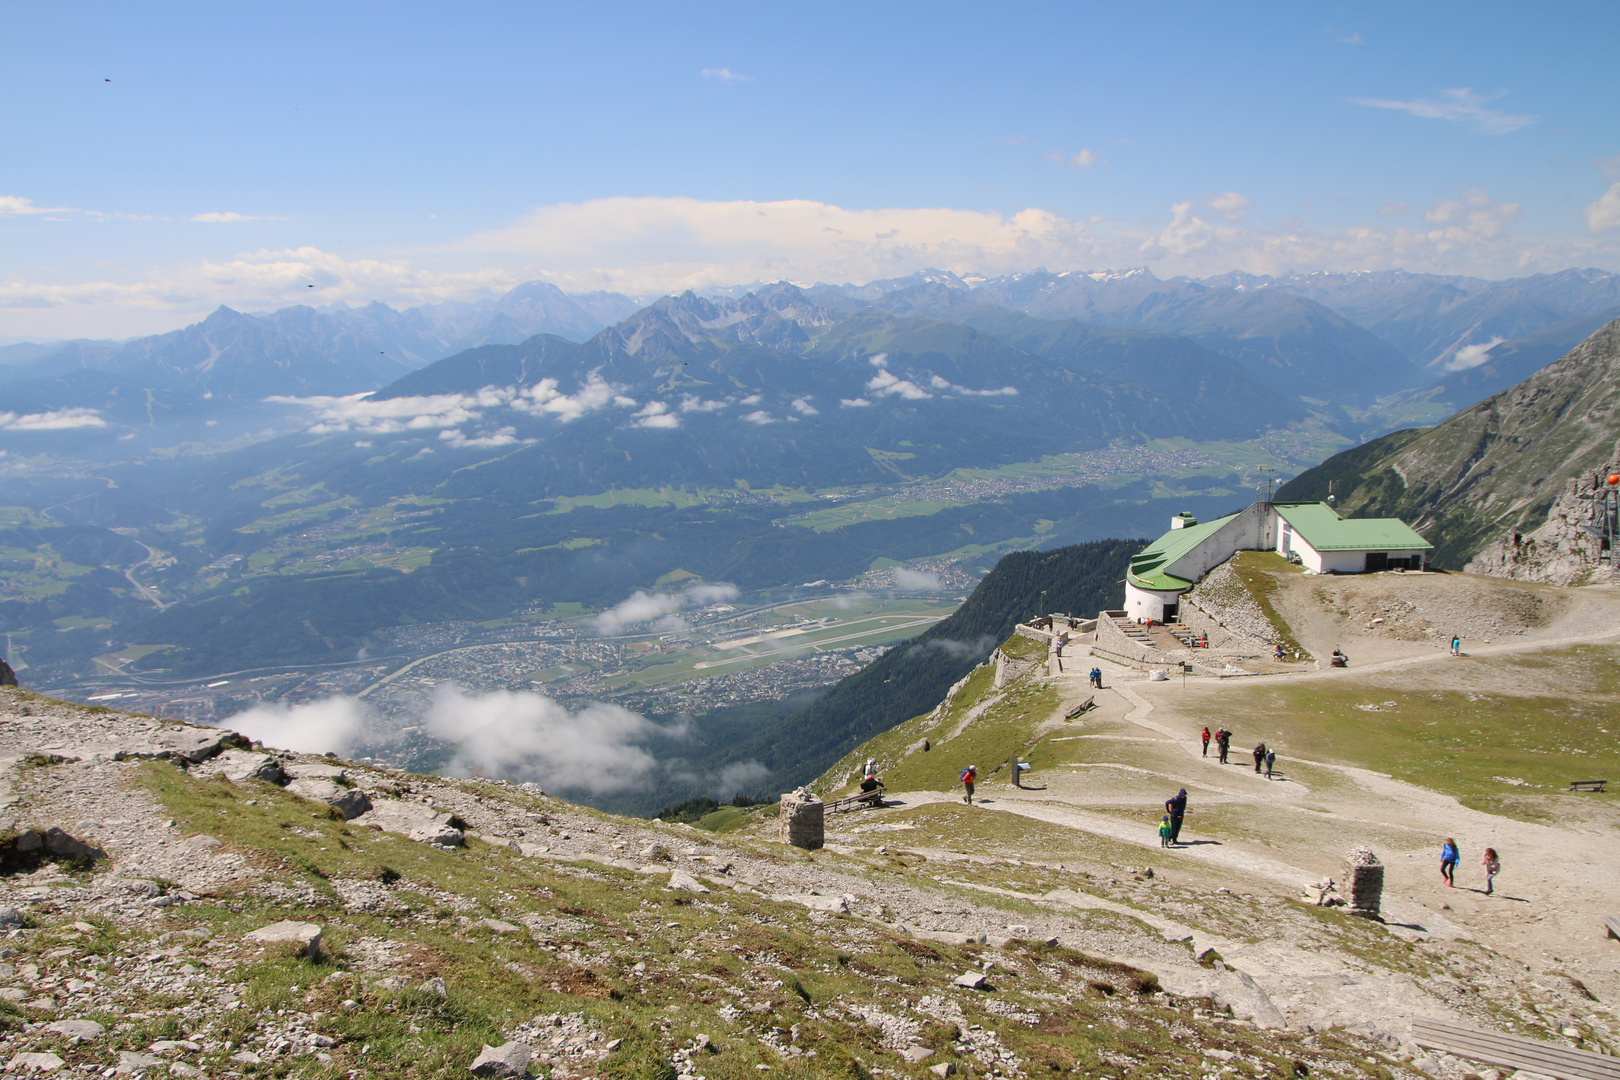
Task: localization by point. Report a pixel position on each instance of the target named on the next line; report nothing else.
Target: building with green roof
(1312, 534)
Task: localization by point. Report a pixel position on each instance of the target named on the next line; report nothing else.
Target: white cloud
(655, 414)
(752, 399)
(693, 403)
(357, 412)
(854, 402)
(760, 417)
(741, 778)
(940, 383)
(330, 725)
(725, 75)
(1604, 214)
(1351, 39)
(803, 407)
(1229, 204)
(1394, 208)
(1459, 106)
(229, 217)
(1471, 356)
(1085, 159)
(15, 205)
(886, 382)
(917, 580)
(878, 359)
(530, 737)
(544, 397)
(56, 420)
(506, 436)
(647, 607)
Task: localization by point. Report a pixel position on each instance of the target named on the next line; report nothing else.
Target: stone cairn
(1364, 881)
(802, 821)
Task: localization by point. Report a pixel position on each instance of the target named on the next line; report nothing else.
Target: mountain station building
(1311, 534)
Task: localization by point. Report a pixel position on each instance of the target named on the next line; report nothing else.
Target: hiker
(1456, 645)
(1176, 805)
(969, 775)
(1018, 772)
(1259, 756)
(1096, 678)
(1164, 831)
(1223, 739)
(1449, 858)
(1493, 866)
(1206, 740)
(871, 782)
(1271, 759)
(1277, 653)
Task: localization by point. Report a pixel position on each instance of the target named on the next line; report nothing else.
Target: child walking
(1493, 866)
(1448, 861)
(1164, 831)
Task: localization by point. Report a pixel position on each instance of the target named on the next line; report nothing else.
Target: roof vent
(1183, 520)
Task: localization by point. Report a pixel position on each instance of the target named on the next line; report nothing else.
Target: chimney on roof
(1183, 520)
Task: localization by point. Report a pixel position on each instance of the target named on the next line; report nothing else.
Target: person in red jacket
(1206, 740)
(969, 775)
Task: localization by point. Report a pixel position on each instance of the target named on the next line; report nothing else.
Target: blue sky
(243, 152)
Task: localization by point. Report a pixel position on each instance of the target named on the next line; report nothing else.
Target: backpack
(967, 776)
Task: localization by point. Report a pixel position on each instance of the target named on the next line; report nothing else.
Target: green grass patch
(1258, 571)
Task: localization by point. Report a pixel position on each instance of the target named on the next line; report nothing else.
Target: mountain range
(1492, 467)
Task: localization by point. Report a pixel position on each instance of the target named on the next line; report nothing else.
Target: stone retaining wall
(1221, 609)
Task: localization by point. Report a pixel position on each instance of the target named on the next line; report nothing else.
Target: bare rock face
(416, 821)
(239, 766)
(350, 802)
(1562, 551)
(802, 821)
(314, 770)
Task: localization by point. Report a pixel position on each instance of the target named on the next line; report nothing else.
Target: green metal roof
(1321, 527)
(1147, 565)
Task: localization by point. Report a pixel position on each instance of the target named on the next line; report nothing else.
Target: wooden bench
(1588, 785)
(861, 800)
(1612, 926)
(1080, 708)
(1512, 1052)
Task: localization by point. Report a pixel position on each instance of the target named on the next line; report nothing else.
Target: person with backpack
(1493, 866)
(1259, 756)
(1223, 739)
(969, 776)
(1164, 831)
(1449, 857)
(1271, 759)
(1206, 740)
(1176, 807)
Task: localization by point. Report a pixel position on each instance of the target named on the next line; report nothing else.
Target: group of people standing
(1451, 855)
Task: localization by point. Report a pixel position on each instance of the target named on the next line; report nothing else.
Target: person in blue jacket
(1448, 861)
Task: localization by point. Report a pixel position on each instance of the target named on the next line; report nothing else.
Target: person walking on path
(1223, 739)
(1164, 831)
(969, 776)
(1493, 866)
(1259, 757)
(1271, 760)
(1176, 805)
(1448, 862)
(1456, 645)
(1206, 740)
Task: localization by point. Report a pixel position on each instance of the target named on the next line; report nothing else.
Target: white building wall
(1144, 604)
(1252, 530)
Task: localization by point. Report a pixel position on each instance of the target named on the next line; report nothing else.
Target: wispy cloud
(1354, 38)
(659, 608)
(1604, 214)
(224, 217)
(725, 75)
(655, 414)
(1229, 204)
(1392, 208)
(1460, 106)
(56, 420)
(1085, 159)
(17, 206)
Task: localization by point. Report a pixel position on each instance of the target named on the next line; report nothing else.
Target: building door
(1171, 611)
(1377, 560)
